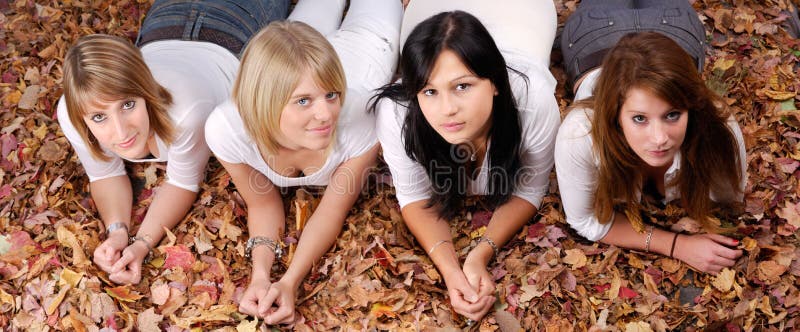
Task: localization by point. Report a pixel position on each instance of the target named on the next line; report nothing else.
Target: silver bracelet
(491, 243)
(146, 242)
(115, 226)
(649, 237)
(265, 241)
(436, 245)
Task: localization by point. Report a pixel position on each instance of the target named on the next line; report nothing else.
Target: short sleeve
(188, 154)
(410, 181)
(96, 169)
(220, 136)
(539, 120)
(576, 172)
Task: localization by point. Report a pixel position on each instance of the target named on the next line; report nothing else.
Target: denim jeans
(228, 23)
(597, 25)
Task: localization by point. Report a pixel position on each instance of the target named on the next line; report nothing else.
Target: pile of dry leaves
(376, 277)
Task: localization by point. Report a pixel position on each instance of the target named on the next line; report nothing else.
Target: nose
(324, 111)
(119, 127)
(448, 105)
(660, 134)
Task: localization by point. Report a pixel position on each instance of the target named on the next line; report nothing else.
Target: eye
(303, 101)
(331, 95)
(639, 119)
(130, 104)
(429, 92)
(462, 86)
(99, 117)
(673, 116)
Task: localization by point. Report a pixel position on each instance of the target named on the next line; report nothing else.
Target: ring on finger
(469, 322)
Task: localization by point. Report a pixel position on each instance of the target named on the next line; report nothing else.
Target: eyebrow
(455, 79)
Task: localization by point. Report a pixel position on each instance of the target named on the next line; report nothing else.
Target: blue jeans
(228, 23)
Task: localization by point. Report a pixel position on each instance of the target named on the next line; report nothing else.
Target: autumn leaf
(123, 293)
(724, 280)
(576, 258)
(148, 321)
(178, 256)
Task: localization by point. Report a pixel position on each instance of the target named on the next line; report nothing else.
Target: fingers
(487, 287)
(265, 303)
(723, 240)
(249, 302)
(285, 312)
(127, 276)
(123, 262)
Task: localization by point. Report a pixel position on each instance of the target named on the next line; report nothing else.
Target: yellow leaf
(749, 243)
(40, 132)
(576, 258)
(6, 299)
(68, 239)
(69, 277)
(765, 306)
(616, 283)
(56, 301)
(13, 97)
(379, 310)
(247, 326)
(638, 327)
(724, 280)
(779, 95)
(723, 64)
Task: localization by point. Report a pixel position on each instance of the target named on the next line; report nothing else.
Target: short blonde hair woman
(150, 104)
(289, 124)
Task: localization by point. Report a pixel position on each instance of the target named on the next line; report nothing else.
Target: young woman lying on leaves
(150, 105)
(651, 128)
(470, 117)
(298, 118)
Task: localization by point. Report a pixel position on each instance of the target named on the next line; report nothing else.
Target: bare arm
(326, 222)
(705, 252)
(113, 197)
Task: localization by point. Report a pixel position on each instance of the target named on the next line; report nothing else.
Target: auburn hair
(709, 154)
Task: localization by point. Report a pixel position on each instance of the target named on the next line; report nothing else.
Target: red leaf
(601, 288)
(627, 293)
(179, 256)
(481, 218)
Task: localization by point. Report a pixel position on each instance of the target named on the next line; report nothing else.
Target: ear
(495, 89)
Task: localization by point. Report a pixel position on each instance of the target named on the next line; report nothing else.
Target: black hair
(445, 163)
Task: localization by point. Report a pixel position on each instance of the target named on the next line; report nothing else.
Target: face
(121, 126)
(309, 119)
(456, 102)
(653, 128)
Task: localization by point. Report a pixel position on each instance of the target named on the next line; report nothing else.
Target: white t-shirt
(199, 75)
(539, 119)
(230, 142)
(576, 169)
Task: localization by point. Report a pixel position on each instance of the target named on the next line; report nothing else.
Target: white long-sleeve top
(577, 166)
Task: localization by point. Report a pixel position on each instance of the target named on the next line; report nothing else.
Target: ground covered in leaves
(376, 277)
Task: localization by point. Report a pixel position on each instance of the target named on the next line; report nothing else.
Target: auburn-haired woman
(298, 118)
(149, 104)
(652, 127)
(473, 114)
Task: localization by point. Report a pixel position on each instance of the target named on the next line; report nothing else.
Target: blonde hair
(111, 68)
(272, 65)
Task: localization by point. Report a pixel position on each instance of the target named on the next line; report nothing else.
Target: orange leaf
(123, 293)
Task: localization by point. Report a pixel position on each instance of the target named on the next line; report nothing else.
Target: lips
(127, 143)
(453, 126)
(322, 130)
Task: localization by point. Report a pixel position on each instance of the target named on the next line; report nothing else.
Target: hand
(481, 280)
(109, 252)
(708, 253)
(464, 298)
(281, 294)
(128, 269)
(257, 290)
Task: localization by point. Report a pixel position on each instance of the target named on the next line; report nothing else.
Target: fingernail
(735, 241)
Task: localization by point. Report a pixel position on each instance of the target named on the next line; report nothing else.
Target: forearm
(168, 208)
(506, 221)
(623, 235)
(265, 220)
(318, 236)
(430, 231)
(113, 198)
